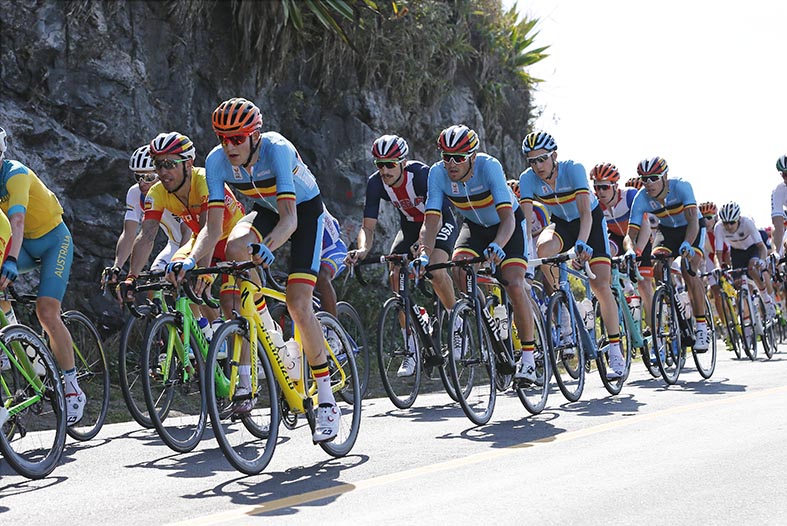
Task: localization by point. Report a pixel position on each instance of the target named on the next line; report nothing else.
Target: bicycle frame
(588, 340)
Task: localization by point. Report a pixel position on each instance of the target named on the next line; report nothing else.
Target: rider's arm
(288, 222)
(17, 221)
(365, 237)
(143, 245)
(506, 227)
(693, 226)
(585, 217)
(428, 233)
(209, 234)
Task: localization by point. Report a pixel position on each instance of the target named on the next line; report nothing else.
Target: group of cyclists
(461, 206)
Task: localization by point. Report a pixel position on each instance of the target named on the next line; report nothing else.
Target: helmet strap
(252, 150)
(182, 181)
(553, 171)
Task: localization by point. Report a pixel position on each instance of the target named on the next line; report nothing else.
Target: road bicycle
(753, 315)
(729, 315)
(630, 313)
(248, 439)
(32, 403)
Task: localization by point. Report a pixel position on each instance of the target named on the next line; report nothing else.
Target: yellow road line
(311, 496)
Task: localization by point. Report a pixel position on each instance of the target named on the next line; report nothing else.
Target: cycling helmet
(708, 209)
(141, 161)
(781, 164)
(2, 144)
(390, 147)
(730, 212)
(654, 166)
(634, 182)
(513, 184)
(237, 116)
(458, 139)
(538, 141)
(605, 172)
(173, 143)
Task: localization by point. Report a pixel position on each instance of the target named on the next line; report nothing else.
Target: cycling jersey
(744, 237)
(22, 191)
(333, 248)
(570, 182)
(478, 199)
(680, 197)
(159, 199)
(169, 223)
(5, 236)
(779, 200)
(409, 198)
(280, 173)
(618, 216)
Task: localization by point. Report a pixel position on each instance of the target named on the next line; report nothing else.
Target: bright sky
(701, 84)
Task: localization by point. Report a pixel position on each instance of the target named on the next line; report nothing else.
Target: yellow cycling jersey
(5, 236)
(21, 191)
(159, 199)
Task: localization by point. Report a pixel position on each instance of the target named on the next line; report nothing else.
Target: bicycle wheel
(350, 397)
(745, 314)
(667, 345)
(247, 440)
(393, 350)
(613, 386)
(353, 326)
(768, 336)
(442, 337)
(503, 379)
(566, 354)
(92, 374)
(471, 364)
(730, 324)
(534, 396)
(706, 361)
(33, 436)
(175, 383)
(132, 343)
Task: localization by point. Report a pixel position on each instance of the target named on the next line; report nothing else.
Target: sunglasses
(235, 140)
(650, 178)
(709, 218)
(729, 222)
(604, 187)
(386, 164)
(146, 177)
(538, 160)
(168, 164)
(458, 158)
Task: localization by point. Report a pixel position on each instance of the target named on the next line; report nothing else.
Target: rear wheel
(745, 313)
(132, 344)
(33, 402)
(768, 335)
(393, 350)
(613, 386)
(730, 324)
(667, 345)
(565, 347)
(706, 361)
(534, 395)
(353, 327)
(92, 374)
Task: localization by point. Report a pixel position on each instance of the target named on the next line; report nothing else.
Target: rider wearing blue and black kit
(474, 183)
(577, 221)
(680, 231)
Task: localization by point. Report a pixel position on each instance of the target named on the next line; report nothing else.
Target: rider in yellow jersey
(40, 239)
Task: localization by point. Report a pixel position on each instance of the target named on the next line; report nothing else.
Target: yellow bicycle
(248, 440)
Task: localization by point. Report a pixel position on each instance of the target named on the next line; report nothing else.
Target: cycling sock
(323, 378)
(70, 379)
(700, 319)
(244, 376)
(614, 341)
(529, 346)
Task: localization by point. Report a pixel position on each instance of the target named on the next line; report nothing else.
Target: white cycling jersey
(779, 200)
(744, 237)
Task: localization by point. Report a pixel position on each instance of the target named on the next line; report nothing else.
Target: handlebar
(562, 258)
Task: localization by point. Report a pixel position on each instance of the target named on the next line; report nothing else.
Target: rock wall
(82, 84)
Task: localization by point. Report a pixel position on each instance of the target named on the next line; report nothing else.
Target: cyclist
(680, 231)
(746, 249)
(539, 222)
(141, 164)
(404, 184)
(616, 205)
(183, 191)
(332, 256)
(778, 203)
(474, 183)
(577, 220)
(708, 211)
(267, 168)
(40, 239)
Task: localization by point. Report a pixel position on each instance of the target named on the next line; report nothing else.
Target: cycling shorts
(54, 253)
(474, 238)
(741, 258)
(408, 236)
(669, 239)
(332, 258)
(568, 232)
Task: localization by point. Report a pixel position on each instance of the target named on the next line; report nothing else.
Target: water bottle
(501, 321)
(205, 327)
(684, 304)
(586, 312)
(214, 326)
(635, 304)
(11, 317)
(290, 354)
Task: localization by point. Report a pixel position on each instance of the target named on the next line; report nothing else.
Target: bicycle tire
(731, 325)
(534, 396)
(443, 339)
(92, 374)
(706, 361)
(613, 386)
(185, 423)
(472, 367)
(350, 398)
(392, 350)
(353, 327)
(132, 343)
(566, 353)
(747, 327)
(242, 439)
(32, 440)
(667, 344)
(768, 336)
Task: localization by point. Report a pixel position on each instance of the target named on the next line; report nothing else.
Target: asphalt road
(700, 452)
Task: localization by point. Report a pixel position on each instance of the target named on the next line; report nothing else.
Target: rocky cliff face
(82, 84)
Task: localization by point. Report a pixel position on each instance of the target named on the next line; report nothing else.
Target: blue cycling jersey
(280, 173)
(479, 198)
(680, 196)
(571, 181)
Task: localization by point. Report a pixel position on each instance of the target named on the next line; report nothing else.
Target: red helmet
(634, 182)
(236, 116)
(605, 172)
(390, 147)
(173, 143)
(654, 166)
(707, 208)
(458, 139)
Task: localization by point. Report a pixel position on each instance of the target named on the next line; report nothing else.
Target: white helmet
(730, 212)
(3, 145)
(141, 161)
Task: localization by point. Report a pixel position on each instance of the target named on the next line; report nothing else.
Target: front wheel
(667, 345)
(768, 336)
(92, 374)
(534, 396)
(132, 343)
(395, 346)
(566, 354)
(612, 385)
(706, 361)
(746, 315)
(733, 335)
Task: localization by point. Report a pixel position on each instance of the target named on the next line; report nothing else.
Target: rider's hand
(686, 249)
(128, 288)
(583, 250)
(8, 272)
(204, 281)
(418, 266)
(176, 270)
(109, 276)
(354, 256)
(261, 254)
(759, 264)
